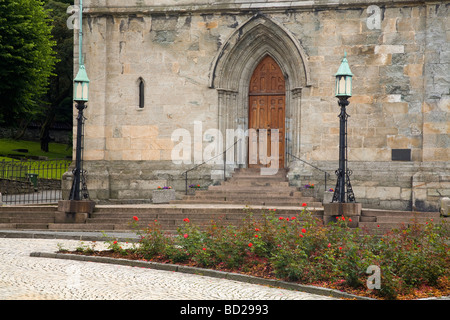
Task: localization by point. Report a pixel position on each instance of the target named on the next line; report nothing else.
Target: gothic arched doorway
(267, 104)
(231, 72)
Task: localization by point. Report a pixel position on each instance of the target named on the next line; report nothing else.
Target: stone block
(413, 70)
(76, 206)
(445, 207)
(163, 196)
(70, 217)
(395, 107)
(389, 49)
(349, 209)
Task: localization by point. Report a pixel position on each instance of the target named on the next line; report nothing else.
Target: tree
(58, 99)
(27, 58)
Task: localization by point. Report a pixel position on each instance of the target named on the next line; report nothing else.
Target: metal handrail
(195, 167)
(315, 167)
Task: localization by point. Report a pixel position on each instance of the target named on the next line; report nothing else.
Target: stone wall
(194, 61)
(391, 185)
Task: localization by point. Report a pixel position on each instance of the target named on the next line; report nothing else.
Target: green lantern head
(81, 86)
(344, 80)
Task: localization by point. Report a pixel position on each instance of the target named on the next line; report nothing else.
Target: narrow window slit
(141, 93)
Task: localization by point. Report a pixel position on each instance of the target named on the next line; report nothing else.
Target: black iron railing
(31, 181)
(223, 154)
(315, 167)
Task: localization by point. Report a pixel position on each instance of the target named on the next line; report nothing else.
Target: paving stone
(25, 277)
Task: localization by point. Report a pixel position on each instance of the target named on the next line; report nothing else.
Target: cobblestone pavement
(28, 278)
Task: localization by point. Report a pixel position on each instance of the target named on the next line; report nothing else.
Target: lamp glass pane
(342, 85)
(85, 91)
(79, 91)
(349, 86)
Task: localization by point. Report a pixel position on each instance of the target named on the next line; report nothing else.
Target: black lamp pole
(343, 185)
(75, 191)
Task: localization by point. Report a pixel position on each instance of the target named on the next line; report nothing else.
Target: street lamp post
(343, 191)
(80, 97)
(78, 207)
(81, 87)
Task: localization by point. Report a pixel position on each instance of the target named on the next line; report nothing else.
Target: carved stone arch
(233, 67)
(250, 36)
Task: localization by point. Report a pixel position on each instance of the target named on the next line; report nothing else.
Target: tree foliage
(58, 107)
(27, 58)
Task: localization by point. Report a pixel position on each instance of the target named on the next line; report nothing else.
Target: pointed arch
(257, 37)
(232, 69)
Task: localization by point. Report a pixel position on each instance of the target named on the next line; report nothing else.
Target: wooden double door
(267, 109)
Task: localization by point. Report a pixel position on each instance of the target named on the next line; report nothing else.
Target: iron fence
(31, 181)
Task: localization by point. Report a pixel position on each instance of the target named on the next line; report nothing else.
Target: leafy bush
(301, 248)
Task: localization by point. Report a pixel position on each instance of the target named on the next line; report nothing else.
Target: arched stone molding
(255, 31)
(233, 67)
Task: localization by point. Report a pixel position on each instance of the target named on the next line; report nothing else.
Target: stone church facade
(174, 83)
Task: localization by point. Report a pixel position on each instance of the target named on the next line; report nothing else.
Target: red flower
(329, 245)
(350, 219)
(204, 249)
(293, 218)
(186, 219)
(287, 219)
(185, 235)
(280, 218)
(135, 218)
(115, 242)
(304, 204)
(250, 244)
(304, 230)
(340, 248)
(300, 235)
(256, 236)
(256, 229)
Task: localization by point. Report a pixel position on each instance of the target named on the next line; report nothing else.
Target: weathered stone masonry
(195, 61)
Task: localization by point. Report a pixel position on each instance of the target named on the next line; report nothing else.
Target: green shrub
(301, 248)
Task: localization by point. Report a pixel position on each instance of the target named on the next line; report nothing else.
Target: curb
(68, 235)
(204, 272)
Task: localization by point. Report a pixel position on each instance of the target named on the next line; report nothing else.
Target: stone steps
(248, 186)
(169, 217)
(109, 218)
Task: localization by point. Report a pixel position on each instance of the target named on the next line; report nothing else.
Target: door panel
(266, 112)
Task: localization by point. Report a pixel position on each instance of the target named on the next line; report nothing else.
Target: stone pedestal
(348, 210)
(327, 197)
(163, 196)
(309, 192)
(445, 207)
(74, 211)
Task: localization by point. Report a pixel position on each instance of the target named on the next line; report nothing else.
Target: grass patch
(9, 147)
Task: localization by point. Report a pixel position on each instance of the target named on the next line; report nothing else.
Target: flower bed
(413, 260)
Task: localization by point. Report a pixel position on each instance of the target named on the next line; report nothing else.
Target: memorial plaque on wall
(401, 154)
